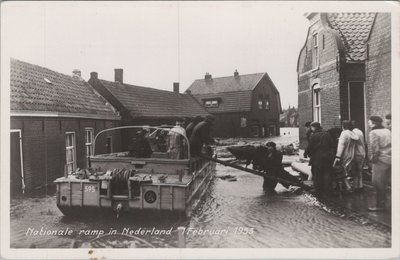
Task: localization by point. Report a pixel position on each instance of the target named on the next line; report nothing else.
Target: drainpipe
(22, 160)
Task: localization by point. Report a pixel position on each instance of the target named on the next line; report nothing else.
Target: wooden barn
(244, 105)
(54, 118)
(344, 69)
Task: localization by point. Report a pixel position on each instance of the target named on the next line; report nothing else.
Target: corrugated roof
(37, 89)
(353, 29)
(147, 102)
(226, 84)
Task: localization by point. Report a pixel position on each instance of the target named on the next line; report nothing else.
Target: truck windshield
(168, 142)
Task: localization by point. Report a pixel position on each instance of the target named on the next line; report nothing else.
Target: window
(243, 122)
(317, 103)
(211, 103)
(260, 104)
(315, 58)
(70, 151)
(109, 144)
(267, 104)
(88, 143)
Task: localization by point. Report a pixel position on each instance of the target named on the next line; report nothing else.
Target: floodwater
(232, 214)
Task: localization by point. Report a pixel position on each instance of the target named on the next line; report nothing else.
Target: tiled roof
(37, 89)
(238, 101)
(234, 93)
(226, 84)
(143, 102)
(353, 29)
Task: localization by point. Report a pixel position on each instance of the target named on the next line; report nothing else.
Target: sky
(158, 43)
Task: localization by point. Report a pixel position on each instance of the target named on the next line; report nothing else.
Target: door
(356, 104)
(15, 167)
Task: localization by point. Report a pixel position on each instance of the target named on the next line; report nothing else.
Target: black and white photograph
(199, 130)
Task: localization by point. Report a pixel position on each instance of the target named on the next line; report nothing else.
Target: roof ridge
(234, 76)
(136, 86)
(245, 90)
(41, 67)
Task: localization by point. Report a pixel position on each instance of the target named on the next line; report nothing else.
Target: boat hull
(177, 196)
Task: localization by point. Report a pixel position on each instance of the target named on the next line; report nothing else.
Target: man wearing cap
(201, 135)
(273, 167)
(380, 156)
(321, 151)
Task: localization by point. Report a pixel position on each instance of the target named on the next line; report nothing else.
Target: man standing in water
(320, 149)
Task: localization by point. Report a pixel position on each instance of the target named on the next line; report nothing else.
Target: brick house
(344, 69)
(244, 105)
(54, 118)
(146, 106)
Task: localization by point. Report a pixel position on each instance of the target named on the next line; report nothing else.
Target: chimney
(119, 75)
(207, 76)
(76, 73)
(176, 87)
(93, 75)
(236, 74)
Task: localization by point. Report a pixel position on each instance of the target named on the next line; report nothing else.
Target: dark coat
(140, 148)
(189, 128)
(320, 146)
(201, 135)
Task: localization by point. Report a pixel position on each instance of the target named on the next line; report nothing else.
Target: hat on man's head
(315, 124)
(270, 144)
(376, 120)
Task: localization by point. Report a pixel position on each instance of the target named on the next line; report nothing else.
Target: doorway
(357, 104)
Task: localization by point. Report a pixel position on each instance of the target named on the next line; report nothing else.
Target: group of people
(345, 159)
(195, 130)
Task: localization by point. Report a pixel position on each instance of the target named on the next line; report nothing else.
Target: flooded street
(232, 214)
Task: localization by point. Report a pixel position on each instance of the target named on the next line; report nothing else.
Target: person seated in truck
(140, 147)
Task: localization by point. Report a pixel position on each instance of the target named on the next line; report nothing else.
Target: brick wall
(326, 75)
(378, 67)
(43, 145)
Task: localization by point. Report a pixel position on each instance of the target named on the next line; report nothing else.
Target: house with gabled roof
(139, 105)
(244, 105)
(54, 118)
(344, 69)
